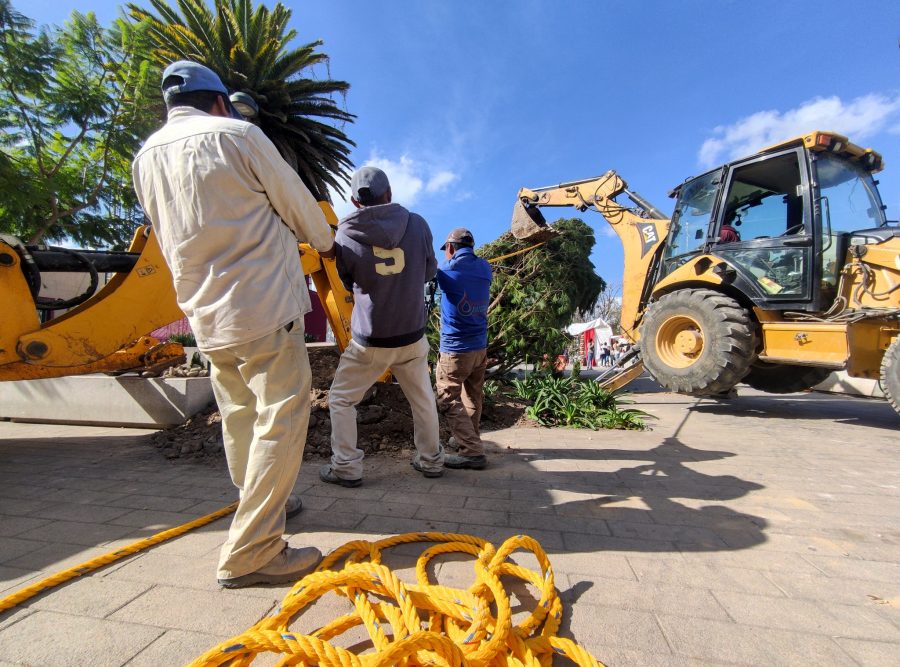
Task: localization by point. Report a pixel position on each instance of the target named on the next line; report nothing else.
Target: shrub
(576, 403)
(186, 339)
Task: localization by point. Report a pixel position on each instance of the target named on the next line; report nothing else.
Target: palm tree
(249, 48)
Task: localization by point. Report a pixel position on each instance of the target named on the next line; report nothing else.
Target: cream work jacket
(228, 212)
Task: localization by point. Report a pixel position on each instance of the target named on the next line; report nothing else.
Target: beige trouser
(460, 395)
(358, 370)
(262, 388)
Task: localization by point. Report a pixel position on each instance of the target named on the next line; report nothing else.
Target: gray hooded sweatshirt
(385, 255)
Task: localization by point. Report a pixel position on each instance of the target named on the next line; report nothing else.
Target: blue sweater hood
(385, 255)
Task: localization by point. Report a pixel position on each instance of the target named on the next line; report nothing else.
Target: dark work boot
(457, 461)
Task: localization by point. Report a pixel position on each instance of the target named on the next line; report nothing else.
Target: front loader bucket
(528, 223)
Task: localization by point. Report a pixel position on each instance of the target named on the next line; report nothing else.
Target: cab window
(765, 200)
(690, 221)
(763, 215)
(849, 194)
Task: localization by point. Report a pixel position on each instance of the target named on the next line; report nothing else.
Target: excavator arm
(108, 332)
(641, 229)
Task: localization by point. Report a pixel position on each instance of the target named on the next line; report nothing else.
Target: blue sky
(463, 102)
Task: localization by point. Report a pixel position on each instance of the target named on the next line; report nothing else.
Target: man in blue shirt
(465, 282)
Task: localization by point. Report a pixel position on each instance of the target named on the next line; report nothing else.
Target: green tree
(535, 294)
(250, 50)
(75, 103)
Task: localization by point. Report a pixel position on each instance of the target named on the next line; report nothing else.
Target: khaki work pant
(357, 371)
(460, 395)
(262, 388)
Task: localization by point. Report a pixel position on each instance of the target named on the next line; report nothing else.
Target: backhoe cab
(774, 269)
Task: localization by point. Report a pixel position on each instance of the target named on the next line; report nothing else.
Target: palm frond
(249, 47)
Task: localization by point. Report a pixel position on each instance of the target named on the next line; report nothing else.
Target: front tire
(890, 374)
(784, 378)
(698, 342)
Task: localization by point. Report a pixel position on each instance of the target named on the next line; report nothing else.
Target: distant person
(384, 256)
(228, 212)
(728, 234)
(465, 282)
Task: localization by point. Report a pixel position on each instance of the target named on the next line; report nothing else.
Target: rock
(191, 447)
(371, 414)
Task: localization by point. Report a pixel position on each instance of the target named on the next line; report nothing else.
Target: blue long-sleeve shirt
(465, 283)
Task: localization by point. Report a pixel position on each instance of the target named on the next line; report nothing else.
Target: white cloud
(405, 175)
(440, 181)
(410, 180)
(860, 118)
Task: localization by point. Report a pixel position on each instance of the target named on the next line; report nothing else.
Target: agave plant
(249, 48)
(576, 403)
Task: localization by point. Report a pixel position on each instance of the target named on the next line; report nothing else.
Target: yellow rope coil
(415, 624)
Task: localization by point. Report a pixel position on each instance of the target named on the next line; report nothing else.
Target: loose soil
(384, 420)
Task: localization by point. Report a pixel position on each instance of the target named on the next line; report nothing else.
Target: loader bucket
(528, 224)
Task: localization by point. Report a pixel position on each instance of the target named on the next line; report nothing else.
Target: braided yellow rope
(415, 624)
(28, 592)
(494, 260)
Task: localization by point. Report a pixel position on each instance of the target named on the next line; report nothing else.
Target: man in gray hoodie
(385, 255)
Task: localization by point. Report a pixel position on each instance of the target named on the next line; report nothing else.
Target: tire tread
(732, 337)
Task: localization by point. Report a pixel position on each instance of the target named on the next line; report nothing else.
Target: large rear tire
(890, 374)
(784, 378)
(698, 342)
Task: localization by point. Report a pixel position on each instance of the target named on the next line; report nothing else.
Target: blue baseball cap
(186, 76)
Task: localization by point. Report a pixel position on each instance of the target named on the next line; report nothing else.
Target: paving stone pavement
(765, 529)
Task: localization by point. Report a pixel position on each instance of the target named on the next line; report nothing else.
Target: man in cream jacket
(228, 212)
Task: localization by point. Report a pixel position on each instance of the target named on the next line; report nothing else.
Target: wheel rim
(679, 341)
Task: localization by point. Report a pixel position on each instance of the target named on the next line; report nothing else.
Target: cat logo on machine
(145, 271)
(648, 237)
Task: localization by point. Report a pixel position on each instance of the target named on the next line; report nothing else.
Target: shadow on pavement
(639, 504)
(841, 408)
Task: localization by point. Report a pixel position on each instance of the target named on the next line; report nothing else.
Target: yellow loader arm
(641, 229)
(109, 331)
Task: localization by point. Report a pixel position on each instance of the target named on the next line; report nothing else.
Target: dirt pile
(384, 420)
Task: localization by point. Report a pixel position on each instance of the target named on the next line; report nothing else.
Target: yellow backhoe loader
(105, 329)
(774, 270)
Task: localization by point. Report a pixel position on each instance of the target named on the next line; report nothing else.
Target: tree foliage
(249, 48)
(535, 294)
(75, 102)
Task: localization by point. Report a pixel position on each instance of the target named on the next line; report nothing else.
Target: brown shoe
(287, 567)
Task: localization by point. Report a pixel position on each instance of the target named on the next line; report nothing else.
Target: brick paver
(760, 530)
